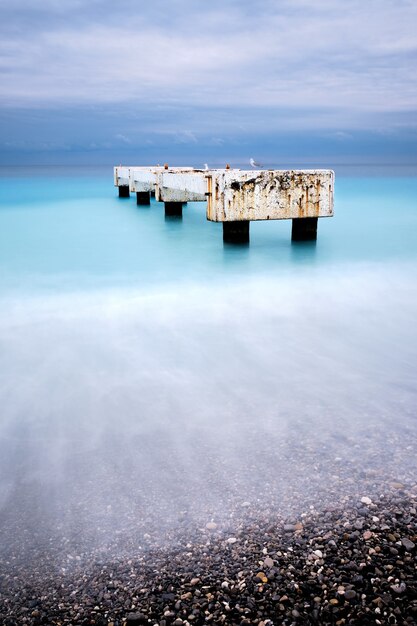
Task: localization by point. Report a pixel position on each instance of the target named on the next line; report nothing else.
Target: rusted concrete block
(269, 195)
(179, 184)
(121, 176)
(143, 179)
(184, 186)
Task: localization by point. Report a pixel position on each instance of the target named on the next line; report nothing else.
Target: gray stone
(408, 544)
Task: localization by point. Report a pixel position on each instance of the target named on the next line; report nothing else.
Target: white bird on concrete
(254, 163)
(206, 167)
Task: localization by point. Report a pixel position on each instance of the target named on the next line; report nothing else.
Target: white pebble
(366, 500)
(231, 540)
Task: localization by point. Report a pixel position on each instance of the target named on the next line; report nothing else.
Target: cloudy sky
(275, 79)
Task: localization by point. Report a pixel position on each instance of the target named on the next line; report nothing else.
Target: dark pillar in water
(124, 191)
(153, 193)
(173, 209)
(143, 197)
(304, 229)
(236, 232)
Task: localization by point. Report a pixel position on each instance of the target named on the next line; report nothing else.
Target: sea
(147, 366)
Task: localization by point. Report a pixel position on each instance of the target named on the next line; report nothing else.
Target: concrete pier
(143, 179)
(143, 197)
(237, 197)
(121, 177)
(300, 195)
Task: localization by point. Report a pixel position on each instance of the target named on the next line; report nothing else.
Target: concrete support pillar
(143, 197)
(304, 229)
(236, 232)
(173, 209)
(124, 191)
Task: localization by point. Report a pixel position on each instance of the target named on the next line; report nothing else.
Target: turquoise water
(60, 233)
(127, 335)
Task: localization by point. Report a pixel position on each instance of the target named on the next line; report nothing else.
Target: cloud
(122, 138)
(186, 136)
(287, 54)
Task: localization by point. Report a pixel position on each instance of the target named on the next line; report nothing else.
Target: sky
(143, 81)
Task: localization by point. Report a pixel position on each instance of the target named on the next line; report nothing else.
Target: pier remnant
(121, 180)
(237, 197)
(245, 196)
(172, 187)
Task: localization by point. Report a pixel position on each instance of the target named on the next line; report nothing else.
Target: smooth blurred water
(62, 232)
(126, 335)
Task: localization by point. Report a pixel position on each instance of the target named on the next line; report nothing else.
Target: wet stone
(408, 544)
(340, 568)
(135, 619)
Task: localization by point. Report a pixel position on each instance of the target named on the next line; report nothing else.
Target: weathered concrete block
(121, 176)
(269, 195)
(178, 184)
(184, 186)
(143, 179)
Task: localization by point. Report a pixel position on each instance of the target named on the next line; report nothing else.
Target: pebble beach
(344, 554)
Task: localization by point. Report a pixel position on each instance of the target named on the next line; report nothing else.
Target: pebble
(262, 577)
(400, 588)
(366, 500)
(408, 544)
(211, 526)
(135, 619)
